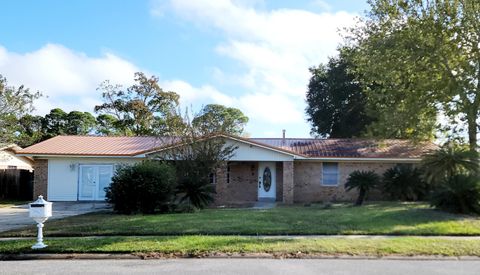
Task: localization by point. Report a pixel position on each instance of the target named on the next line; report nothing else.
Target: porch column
(221, 183)
(40, 178)
(288, 186)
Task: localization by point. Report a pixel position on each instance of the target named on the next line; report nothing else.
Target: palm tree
(363, 181)
(449, 161)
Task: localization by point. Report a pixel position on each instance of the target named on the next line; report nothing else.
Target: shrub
(194, 187)
(363, 181)
(459, 194)
(143, 187)
(404, 182)
(450, 160)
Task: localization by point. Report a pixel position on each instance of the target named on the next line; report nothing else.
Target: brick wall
(279, 181)
(288, 181)
(242, 186)
(308, 176)
(40, 178)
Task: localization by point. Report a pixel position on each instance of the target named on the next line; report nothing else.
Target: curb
(161, 256)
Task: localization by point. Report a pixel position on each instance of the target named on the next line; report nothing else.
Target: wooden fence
(16, 184)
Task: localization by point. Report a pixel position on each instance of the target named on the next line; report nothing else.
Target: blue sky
(251, 54)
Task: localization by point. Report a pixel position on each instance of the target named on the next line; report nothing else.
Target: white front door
(92, 181)
(267, 188)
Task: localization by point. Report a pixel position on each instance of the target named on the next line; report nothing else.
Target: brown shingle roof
(307, 147)
(351, 148)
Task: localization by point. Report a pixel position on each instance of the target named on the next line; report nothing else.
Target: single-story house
(16, 173)
(71, 168)
(8, 159)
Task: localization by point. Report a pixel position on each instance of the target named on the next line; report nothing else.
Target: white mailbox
(40, 211)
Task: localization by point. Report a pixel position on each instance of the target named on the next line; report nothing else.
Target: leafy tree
(449, 161)
(425, 57)
(107, 125)
(336, 102)
(79, 123)
(404, 182)
(58, 122)
(14, 103)
(363, 181)
(30, 130)
(142, 109)
(54, 123)
(215, 118)
(459, 194)
(195, 158)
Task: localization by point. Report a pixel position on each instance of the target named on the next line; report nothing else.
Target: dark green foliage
(458, 194)
(15, 102)
(404, 182)
(450, 160)
(363, 181)
(194, 162)
(215, 118)
(143, 187)
(336, 102)
(194, 187)
(141, 109)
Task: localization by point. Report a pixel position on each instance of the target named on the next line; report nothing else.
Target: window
(213, 178)
(330, 174)
(228, 173)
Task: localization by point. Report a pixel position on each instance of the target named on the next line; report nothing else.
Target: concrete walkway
(17, 216)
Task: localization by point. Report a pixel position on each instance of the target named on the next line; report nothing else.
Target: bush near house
(458, 194)
(453, 172)
(143, 187)
(364, 181)
(404, 182)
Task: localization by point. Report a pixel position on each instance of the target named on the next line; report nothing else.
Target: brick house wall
(242, 186)
(279, 181)
(308, 178)
(40, 178)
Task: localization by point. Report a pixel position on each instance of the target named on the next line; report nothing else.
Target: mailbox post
(40, 211)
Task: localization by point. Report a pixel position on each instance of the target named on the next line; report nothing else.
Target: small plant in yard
(459, 194)
(364, 181)
(404, 182)
(143, 187)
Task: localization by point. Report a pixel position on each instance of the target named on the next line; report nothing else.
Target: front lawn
(193, 246)
(386, 218)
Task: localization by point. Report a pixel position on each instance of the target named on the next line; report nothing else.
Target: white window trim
(338, 176)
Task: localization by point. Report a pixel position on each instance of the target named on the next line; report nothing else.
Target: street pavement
(17, 216)
(243, 266)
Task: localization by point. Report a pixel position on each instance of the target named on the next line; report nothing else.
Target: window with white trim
(330, 174)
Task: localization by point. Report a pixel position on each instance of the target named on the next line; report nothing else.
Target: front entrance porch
(240, 182)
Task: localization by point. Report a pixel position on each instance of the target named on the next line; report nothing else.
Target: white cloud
(275, 46)
(68, 78)
(196, 96)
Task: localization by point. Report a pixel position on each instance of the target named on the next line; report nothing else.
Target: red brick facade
(40, 178)
(299, 181)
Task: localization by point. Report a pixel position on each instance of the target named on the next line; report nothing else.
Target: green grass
(10, 203)
(211, 245)
(386, 218)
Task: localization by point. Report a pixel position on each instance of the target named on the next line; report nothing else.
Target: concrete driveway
(17, 216)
